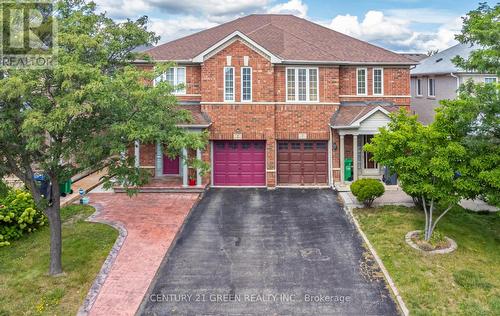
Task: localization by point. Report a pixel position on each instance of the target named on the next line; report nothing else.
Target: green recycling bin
(65, 187)
(348, 169)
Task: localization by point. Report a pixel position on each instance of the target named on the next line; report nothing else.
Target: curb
(101, 277)
(388, 279)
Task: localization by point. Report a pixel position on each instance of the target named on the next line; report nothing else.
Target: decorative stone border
(453, 245)
(399, 300)
(108, 263)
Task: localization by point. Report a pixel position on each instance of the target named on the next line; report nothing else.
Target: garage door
(239, 163)
(303, 162)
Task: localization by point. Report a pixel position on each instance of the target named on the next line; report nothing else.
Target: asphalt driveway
(260, 252)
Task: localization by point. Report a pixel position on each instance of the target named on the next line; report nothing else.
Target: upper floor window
(361, 81)
(302, 84)
(228, 83)
(490, 80)
(176, 77)
(419, 87)
(432, 87)
(378, 81)
(246, 84)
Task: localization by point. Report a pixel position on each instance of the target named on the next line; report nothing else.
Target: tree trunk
(54, 215)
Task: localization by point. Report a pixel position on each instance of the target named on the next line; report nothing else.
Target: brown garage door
(303, 162)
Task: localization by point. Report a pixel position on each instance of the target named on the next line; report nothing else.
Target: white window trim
(418, 82)
(366, 81)
(183, 91)
(494, 78)
(224, 80)
(163, 77)
(251, 84)
(296, 72)
(381, 78)
(429, 87)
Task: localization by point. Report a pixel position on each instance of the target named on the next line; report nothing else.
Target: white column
(137, 153)
(342, 159)
(198, 174)
(159, 160)
(354, 157)
(184, 168)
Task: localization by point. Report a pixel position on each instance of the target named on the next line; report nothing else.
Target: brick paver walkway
(152, 221)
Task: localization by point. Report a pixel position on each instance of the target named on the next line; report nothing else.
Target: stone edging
(108, 263)
(453, 245)
(394, 289)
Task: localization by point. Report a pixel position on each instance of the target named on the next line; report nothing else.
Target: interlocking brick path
(152, 221)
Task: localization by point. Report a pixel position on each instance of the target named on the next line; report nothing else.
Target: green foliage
(425, 159)
(18, 215)
(367, 190)
(437, 238)
(4, 189)
(88, 109)
(473, 120)
(481, 27)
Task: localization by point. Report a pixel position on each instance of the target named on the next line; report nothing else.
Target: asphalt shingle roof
(287, 37)
(348, 114)
(441, 63)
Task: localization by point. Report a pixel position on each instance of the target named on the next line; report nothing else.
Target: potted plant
(192, 180)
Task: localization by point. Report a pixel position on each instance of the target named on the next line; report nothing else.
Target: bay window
(302, 84)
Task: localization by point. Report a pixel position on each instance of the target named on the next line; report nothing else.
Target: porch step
(163, 190)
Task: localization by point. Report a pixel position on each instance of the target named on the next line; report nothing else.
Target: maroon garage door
(303, 162)
(239, 163)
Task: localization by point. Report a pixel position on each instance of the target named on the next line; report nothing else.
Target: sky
(398, 25)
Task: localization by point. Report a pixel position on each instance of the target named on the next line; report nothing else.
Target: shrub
(18, 215)
(367, 190)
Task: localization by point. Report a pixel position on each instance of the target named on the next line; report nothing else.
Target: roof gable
(231, 38)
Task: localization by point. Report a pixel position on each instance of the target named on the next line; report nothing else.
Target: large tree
(87, 110)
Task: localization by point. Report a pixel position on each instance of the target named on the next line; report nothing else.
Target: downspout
(458, 80)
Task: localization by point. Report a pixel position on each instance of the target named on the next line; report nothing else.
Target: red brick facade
(269, 117)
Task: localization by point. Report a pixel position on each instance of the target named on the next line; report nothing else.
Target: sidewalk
(396, 196)
(87, 183)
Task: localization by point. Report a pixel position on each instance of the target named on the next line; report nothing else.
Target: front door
(170, 166)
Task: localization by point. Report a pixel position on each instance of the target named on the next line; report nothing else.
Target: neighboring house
(285, 101)
(436, 78)
(415, 56)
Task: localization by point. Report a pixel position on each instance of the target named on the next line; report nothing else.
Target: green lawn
(26, 288)
(465, 282)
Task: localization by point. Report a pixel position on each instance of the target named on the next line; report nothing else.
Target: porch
(354, 125)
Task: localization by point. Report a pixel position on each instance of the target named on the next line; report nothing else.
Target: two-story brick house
(286, 101)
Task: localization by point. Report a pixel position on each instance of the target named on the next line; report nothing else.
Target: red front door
(239, 163)
(170, 166)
